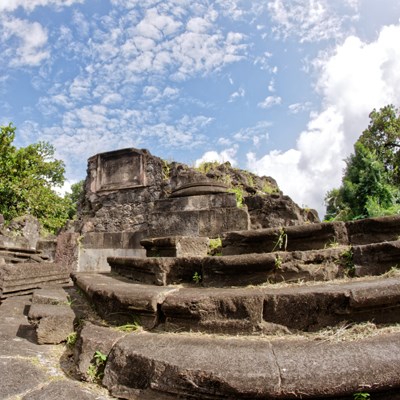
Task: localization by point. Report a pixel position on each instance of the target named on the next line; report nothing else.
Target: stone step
(21, 255)
(26, 277)
(312, 236)
(256, 269)
(243, 310)
(204, 367)
(119, 301)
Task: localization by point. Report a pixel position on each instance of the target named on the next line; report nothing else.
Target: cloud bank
(355, 78)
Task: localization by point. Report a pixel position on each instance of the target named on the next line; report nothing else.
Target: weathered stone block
(159, 271)
(50, 296)
(53, 322)
(93, 338)
(374, 230)
(376, 258)
(176, 246)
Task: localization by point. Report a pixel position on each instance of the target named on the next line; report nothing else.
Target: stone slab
(234, 311)
(119, 301)
(310, 308)
(18, 376)
(205, 367)
(290, 238)
(50, 296)
(328, 369)
(196, 366)
(374, 230)
(61, 389)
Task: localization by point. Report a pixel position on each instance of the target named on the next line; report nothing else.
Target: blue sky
(280, 87)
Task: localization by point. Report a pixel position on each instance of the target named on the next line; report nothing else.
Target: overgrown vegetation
(370, 184)
(28, 178)
(239, 194)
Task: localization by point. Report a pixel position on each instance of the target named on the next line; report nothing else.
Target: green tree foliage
(370, 181)
(28, 176)
(74, 197)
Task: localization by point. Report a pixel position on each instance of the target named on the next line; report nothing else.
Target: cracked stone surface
(32, 371)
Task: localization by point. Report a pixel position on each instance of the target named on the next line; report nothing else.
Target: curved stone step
(243, 310)
(256, 269)
(204, 367)
(312, 236)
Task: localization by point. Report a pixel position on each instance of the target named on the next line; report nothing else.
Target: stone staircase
(309, 311)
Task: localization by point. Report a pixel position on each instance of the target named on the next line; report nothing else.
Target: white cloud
(353, 80)
(32, 39)
(296, 108)
(310, 20)
(270, 101)
(30, 5)
(236, 95)
(221, 157)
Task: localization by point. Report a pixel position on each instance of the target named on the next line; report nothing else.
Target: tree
(383, 137)
(370, 181)
(74, 197)
(28, 176)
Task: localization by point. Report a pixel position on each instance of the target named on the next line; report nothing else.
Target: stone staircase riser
(243, 310)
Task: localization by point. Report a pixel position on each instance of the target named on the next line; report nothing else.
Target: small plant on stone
(166, 170)
(332, 244)
(129, 327)
(348, 262)
(97, 366)
(239, 194)
(70, 301)
(197, 278)
(215, 246)
(71, 339)
(269, 189)
(278, 262)
(282, 241)
(361, 396)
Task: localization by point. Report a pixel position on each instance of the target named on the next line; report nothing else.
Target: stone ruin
(175, 319)
(131, 195)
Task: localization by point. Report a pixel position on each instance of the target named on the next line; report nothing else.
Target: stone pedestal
(207, 215)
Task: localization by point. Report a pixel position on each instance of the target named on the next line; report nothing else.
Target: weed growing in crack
(282, 241)
(361, 396)
(97, 366)
(197, 278)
